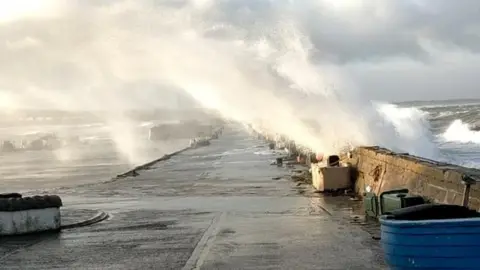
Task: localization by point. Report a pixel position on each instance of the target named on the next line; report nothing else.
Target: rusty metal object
(467, 181)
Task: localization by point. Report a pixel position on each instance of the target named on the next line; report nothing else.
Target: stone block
(436, 193)
(474, 203)
(452, 176)
(29, 221)
(453, 197)
(474, 192)
(21, 215)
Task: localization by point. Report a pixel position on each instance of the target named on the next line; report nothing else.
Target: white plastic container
(326, 178)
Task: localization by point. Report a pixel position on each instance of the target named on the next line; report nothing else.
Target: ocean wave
(449, 114)
(440, 121)
(89, 125)
(413, 130)
(446, 114)
(459, 131)
(146, 124)
(440, 105)
(32, 133)
(94, 138)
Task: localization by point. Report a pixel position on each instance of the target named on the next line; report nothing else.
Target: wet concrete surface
(80, 164)
(217, 207)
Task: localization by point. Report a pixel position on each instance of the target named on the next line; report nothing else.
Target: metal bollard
(279, 161)
(467, 181)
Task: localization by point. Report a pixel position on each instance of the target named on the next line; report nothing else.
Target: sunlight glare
(20, 9)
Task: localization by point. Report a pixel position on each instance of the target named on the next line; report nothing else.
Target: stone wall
(384, 170)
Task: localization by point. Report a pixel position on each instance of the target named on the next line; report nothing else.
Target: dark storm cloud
(449, 22)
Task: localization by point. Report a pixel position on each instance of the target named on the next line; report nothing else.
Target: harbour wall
(382, 170)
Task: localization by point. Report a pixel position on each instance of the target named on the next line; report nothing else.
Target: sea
(452, 124)
(93, 150)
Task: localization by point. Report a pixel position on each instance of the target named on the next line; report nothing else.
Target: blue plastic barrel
(431, 244)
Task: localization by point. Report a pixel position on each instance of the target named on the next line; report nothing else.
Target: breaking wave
(255, 62)
(460, 132)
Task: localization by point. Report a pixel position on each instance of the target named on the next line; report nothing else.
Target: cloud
(275, 62)
(85, 47)
(365, 30)
(11, 11)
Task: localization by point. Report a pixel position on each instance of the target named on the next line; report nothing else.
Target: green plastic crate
(388, 201)
(396, 199)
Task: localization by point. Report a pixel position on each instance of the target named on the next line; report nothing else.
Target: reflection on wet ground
(218, 207)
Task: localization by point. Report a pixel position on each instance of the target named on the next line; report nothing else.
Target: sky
(98, 54)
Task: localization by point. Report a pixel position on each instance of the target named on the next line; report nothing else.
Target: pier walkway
(216, 207)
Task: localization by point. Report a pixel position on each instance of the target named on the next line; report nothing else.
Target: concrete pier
(215, 207)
